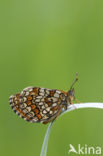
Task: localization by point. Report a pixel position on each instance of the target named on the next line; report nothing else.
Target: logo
(85, 149)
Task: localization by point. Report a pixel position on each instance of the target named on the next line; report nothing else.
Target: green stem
(45, 142)
(70, 108)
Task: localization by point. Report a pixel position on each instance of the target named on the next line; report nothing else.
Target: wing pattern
(36, 104)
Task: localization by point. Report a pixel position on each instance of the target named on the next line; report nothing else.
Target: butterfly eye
(71, 92)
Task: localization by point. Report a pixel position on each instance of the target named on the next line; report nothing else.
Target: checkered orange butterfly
(43, 105)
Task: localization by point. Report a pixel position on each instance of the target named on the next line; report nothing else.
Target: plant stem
(70, 108)
(45, 142)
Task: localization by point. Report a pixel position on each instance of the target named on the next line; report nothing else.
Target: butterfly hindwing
(38, 104)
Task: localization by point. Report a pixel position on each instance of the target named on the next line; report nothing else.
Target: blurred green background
(44, 43)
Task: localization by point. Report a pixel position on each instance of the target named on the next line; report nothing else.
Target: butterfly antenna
(75, 80)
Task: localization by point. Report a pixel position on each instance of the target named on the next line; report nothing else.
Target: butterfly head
(71, 96)
(71, 91)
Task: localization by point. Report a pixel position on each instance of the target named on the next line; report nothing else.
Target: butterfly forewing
(38, 104)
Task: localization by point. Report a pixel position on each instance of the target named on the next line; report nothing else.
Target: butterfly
(41, 105)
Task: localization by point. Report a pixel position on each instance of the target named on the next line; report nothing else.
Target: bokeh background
(44, 43)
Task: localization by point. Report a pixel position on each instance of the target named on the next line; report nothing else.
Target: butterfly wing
(38, 104)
